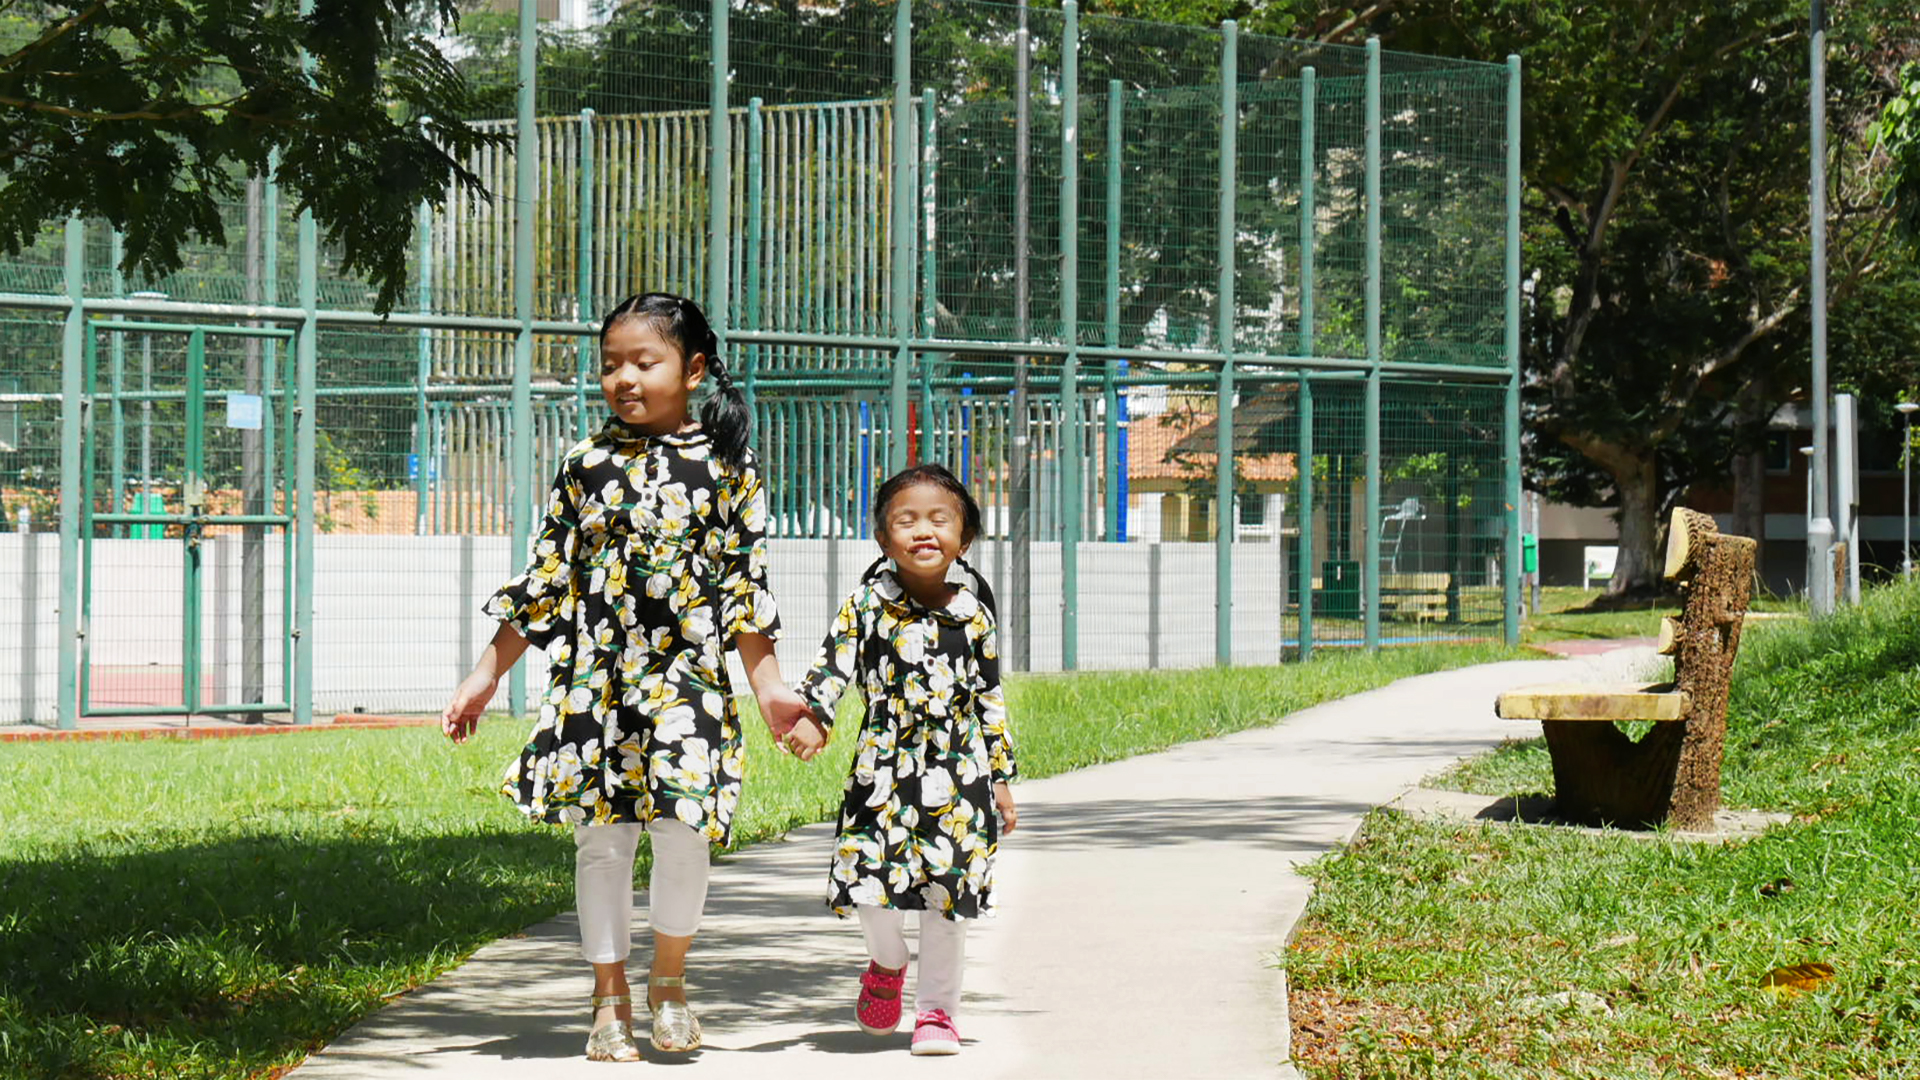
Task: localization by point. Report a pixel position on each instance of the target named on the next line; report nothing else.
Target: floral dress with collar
(651, 560)
(918, 829)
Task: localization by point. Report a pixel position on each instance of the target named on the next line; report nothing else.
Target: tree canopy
(152, 113)
(1666, 222)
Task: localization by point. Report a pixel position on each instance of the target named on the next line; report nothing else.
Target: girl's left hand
(1003, 802)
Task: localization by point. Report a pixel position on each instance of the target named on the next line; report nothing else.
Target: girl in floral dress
(651, 563)
(927, 798)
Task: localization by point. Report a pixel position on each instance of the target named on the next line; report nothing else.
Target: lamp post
(1905, 409)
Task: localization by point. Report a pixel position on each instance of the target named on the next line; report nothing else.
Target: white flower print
(637, 720)
(869, 891)
(933, 740)
(936, 787)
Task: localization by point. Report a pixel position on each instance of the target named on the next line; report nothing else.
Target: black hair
(724, 414)
(934, 475)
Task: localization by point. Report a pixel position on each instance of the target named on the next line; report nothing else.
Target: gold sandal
(614, 1041)
(675, 1029)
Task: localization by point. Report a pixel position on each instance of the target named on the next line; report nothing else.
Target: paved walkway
(1143, 903)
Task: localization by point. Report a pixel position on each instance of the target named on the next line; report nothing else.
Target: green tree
(1665, 167)
(1898, 133)
(152, 113)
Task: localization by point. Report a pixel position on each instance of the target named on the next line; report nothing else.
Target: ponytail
(724, 414)
(985, 590)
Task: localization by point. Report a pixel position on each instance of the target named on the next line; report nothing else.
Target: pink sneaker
(878, 1015)
(934, 1033)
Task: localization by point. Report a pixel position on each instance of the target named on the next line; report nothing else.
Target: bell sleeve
(832, 669)
(991, 701)
(746, 600)
(540, 603)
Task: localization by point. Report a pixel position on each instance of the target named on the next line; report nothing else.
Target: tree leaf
(1797, 978)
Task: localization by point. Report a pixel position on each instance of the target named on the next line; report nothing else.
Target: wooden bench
(1414, 597)
(1672, 775)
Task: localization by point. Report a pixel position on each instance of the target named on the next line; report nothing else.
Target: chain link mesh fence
(1090, 434)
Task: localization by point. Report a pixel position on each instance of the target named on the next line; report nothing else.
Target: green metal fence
(1226, 321)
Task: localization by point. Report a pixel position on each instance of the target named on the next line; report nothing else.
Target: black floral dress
(652, 558)
(918, 829)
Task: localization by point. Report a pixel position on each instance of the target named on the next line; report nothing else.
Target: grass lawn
(1562, 616)
(1513, 951)
(218, 908)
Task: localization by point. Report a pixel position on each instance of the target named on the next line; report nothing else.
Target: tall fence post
(1370, 573)
(1072, 506)
(1303, 464)
(1510, 578)
(583, 299)
(1115, 466)
(117, 411)
(270, 378)
(1305, 516)
(929, 207)
(72, 416)
(526, 162)
(305, 378)
(719, 177)
(1019, 598)
(900, 225)
(1225, 518)
(756, 227)
(923, 233)
(423, 372)
(29, 618)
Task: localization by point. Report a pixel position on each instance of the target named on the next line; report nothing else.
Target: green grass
(1562, 616)
(1434, 949)
(218, 908)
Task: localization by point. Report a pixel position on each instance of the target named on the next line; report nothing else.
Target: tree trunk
(1750, 469)
(1637, 570)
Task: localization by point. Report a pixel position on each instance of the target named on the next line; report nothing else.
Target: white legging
(603, 884)
(943, 953)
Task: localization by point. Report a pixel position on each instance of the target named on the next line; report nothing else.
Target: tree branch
(54, 33)
(145, 114)
(1357, 18)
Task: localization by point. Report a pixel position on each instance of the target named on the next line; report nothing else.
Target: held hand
(806, 739)
(462, 715)
(781, 708)
(1003, 802)
(790, 719)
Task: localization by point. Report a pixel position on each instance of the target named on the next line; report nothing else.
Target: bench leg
(1601, 777)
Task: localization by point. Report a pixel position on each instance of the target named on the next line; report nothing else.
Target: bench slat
(1593, 701)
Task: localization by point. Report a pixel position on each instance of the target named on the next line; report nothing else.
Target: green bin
(1339, 589)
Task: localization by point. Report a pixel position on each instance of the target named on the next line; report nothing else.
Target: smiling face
(646, 379)
(923, 530)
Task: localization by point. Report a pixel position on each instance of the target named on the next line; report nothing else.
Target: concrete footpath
(1143, 904)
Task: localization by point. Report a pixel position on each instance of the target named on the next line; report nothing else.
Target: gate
(187, 565)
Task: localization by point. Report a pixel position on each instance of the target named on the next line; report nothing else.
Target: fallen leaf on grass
(1797, 978)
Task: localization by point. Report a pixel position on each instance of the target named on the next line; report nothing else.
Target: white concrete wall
(397, 618)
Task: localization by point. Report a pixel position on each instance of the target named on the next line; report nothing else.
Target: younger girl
(927, 798)
(651, 562)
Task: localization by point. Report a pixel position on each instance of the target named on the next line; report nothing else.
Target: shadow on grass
(231, 955)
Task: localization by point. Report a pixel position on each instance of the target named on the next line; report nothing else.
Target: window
(1781, 447)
